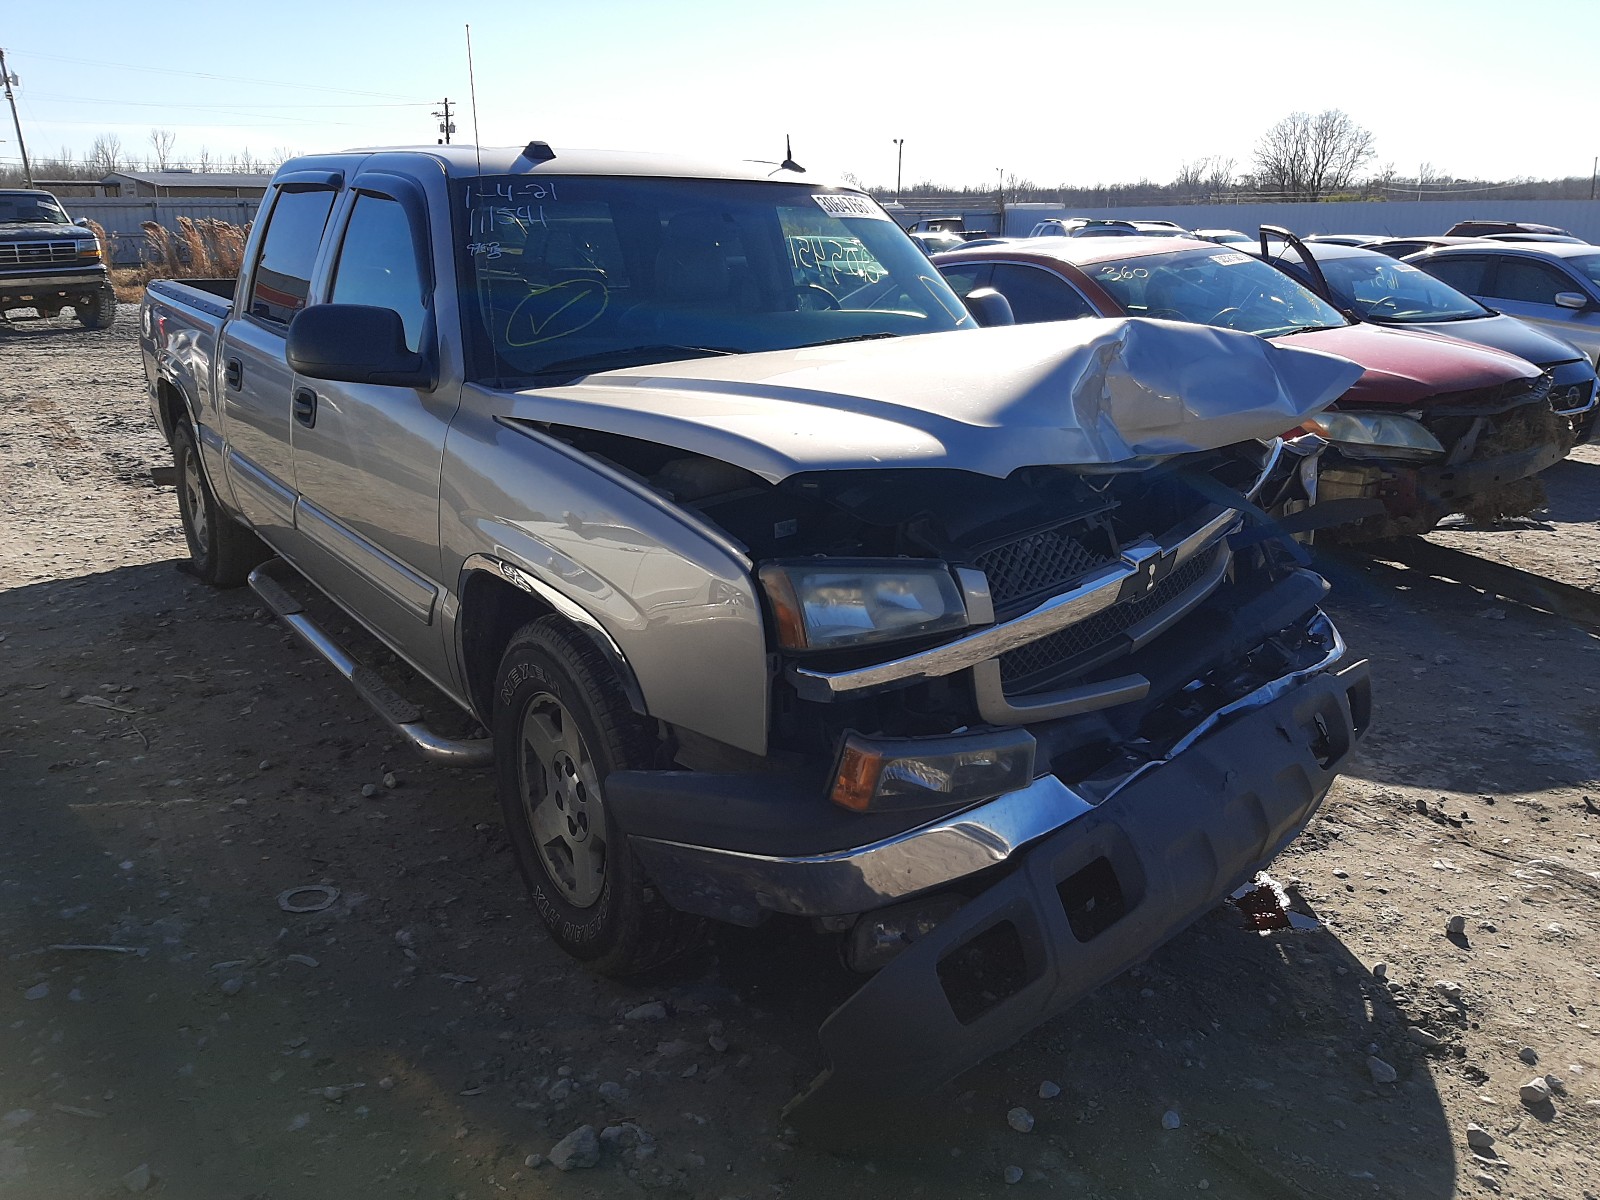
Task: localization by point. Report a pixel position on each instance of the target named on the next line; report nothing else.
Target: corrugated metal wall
(1394, 218)
(123, 217)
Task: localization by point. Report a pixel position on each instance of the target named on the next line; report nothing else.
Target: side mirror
(82, 222)
(1572, 300)
(355, 343)
(988, 307)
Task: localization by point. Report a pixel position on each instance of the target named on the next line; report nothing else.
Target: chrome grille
(1572, 398)
(1048, 653)
(1038, 564)
(37, 254)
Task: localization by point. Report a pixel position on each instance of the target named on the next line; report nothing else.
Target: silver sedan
(1552, 285)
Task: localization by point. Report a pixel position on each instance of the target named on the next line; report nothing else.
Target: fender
(525, 581)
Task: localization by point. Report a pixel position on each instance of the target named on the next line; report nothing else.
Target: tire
(561, 726)
(221, 551)
(102, 314)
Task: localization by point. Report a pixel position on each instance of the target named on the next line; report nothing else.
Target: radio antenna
(472, 85)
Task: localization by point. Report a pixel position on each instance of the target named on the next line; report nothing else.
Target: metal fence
(123, 217)
(1392, 218)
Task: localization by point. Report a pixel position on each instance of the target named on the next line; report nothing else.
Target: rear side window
(1528, 282)
(378, 264)
(1464, 274)
(283, 272)
(1038, 295)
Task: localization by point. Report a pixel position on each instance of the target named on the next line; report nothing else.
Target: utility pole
(10, 79)
(446, 126)
(1000, 174)
(899, 158)
(1593, 175)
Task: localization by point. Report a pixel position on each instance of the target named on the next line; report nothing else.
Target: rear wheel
(101, 314)
(561, 727)
(221, 551)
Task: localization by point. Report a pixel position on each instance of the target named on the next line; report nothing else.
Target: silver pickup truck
(776, 584)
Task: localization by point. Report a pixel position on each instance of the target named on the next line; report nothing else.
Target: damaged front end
(1475, 452)
(1142, 703)
(1020, 711)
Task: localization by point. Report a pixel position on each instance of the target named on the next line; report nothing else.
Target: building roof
(194, 179)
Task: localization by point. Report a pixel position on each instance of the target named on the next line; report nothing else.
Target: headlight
(90, 248)
(1374, 435)
(823, 604)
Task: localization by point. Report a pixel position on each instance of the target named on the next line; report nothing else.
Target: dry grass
(202, 249)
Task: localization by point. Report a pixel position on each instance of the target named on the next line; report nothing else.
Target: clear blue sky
(1049, 90)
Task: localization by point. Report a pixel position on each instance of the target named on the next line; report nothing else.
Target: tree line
(1302, 157)
(108, 153)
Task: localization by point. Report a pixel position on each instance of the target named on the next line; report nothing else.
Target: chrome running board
(399, 713)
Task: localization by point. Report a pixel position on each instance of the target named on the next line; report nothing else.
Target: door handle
(305, 407)
(234, 373)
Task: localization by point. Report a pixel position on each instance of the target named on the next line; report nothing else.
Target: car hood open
(1078, 393)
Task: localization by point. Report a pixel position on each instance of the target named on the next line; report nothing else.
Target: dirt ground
(171, 761)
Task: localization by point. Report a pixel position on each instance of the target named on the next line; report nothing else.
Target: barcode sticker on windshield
(843, 204)
(1230, 259)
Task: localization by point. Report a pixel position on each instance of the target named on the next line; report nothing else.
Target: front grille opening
(1038, 565)
(1093, 899)
(979, 974)
(1039, 664)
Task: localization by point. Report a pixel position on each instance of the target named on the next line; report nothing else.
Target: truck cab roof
(467, 162)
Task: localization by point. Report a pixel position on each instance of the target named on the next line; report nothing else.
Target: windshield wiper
(1310, 329)
(632, 356)
(860, 337)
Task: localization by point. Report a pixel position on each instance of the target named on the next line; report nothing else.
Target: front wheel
(101, 314)
(561, 727)
(221, 551)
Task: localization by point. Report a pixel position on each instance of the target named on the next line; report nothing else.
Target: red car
(1433, 426)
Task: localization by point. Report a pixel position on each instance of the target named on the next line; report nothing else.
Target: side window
(1038, 295)
(966, 278)
(378, 264)
(283, 272)
(1527, 281)
(1464, 274)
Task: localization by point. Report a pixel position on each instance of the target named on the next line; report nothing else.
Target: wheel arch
(174, 406)
(497, 598)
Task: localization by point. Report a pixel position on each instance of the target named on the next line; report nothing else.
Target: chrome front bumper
(741, 887)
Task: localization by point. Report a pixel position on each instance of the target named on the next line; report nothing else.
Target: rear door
(256, 378)
(367, 457)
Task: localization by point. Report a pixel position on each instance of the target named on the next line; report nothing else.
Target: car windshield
(1378, 288)
(564, 275)
(1213, 286)
(1587, 265)
(31, 210)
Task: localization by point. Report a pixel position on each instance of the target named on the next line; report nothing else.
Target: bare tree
(1204, 178)
(105, 156)
(203, 162)
(1306, 157)
(162, 141)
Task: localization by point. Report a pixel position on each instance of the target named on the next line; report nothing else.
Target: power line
(58, 98)
(305, 87)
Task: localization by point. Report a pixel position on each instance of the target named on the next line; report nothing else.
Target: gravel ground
(171, 761)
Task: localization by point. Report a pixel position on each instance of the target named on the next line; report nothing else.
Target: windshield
(31, 210)
(563, 275)
(1587, 265)
(1213, 287)
(1380, 289)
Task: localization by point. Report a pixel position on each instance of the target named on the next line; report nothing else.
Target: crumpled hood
(988, 400)
(1405, 369)
(37, 231)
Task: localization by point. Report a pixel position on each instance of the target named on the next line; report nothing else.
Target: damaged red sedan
(1433, 426)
